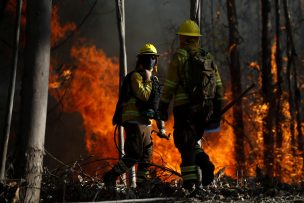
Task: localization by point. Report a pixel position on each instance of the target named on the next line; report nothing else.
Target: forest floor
(73, 184)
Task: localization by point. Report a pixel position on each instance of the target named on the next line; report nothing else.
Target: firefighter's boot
(207, 167)
(190, 177)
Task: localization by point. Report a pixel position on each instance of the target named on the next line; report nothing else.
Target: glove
(160, 125)
(162, 133)
(215, 119)
(162, 112)
(149, 113)
(161, 130)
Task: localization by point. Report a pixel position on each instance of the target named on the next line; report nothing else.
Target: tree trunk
(294, 90)
(9, 109)
(236, 86)
(35, 84)
(120, 11)
(195, 11)
(279, 92)
(267, 91)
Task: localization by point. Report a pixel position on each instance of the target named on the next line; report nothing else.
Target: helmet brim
(148, 53)
(189, 34)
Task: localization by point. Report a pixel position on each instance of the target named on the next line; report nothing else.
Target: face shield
(148, 61)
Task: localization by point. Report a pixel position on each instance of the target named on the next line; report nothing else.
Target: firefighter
(137, 104)
(192, 112)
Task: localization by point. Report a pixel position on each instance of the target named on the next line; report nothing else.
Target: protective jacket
(173, 85)
(138, 90)
(138, 100)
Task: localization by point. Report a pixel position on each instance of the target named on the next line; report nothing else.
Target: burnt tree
(9, 109)
(267, 90)
(236, 85)
(35, 94)
(120, 14)
(279, 91)
(293, 85)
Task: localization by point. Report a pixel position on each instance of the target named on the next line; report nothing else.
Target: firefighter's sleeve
(170, 85)
(141, 89)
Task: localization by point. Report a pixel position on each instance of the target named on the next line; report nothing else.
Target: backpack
(198, 76)
(124, 95)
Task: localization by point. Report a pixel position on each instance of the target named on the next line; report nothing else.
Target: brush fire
(88, 84)
(92, 90)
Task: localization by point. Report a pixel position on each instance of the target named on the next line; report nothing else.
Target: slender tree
(123, 56)
(293, 85)
(9, 109)
(279, 92)
(35, 94)
(267, 90)
(236, 85)
(120, 12)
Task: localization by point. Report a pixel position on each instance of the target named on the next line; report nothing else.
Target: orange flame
(93, 92)
(254, 65)
(273, 60)
(58, 30)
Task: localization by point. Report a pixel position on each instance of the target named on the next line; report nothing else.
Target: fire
(54, 85)
(57, 80)
(94, 93)
(58, 30)
(164, 152)
(232, 47)
(220, 148)
(254, 65)
(273, 60)
(90, 86)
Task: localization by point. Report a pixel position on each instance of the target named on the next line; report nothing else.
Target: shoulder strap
(181, 69)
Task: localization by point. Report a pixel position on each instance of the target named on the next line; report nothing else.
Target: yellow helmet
(189, 28)
(148, 49)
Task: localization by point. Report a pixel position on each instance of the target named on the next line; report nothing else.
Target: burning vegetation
(89, 85)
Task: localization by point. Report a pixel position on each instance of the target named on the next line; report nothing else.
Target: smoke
(146, 21)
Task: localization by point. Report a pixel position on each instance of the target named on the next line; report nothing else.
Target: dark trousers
(189, 125)
(138, 145)
(137, 148)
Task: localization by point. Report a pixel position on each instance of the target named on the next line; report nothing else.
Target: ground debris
(73, 184)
